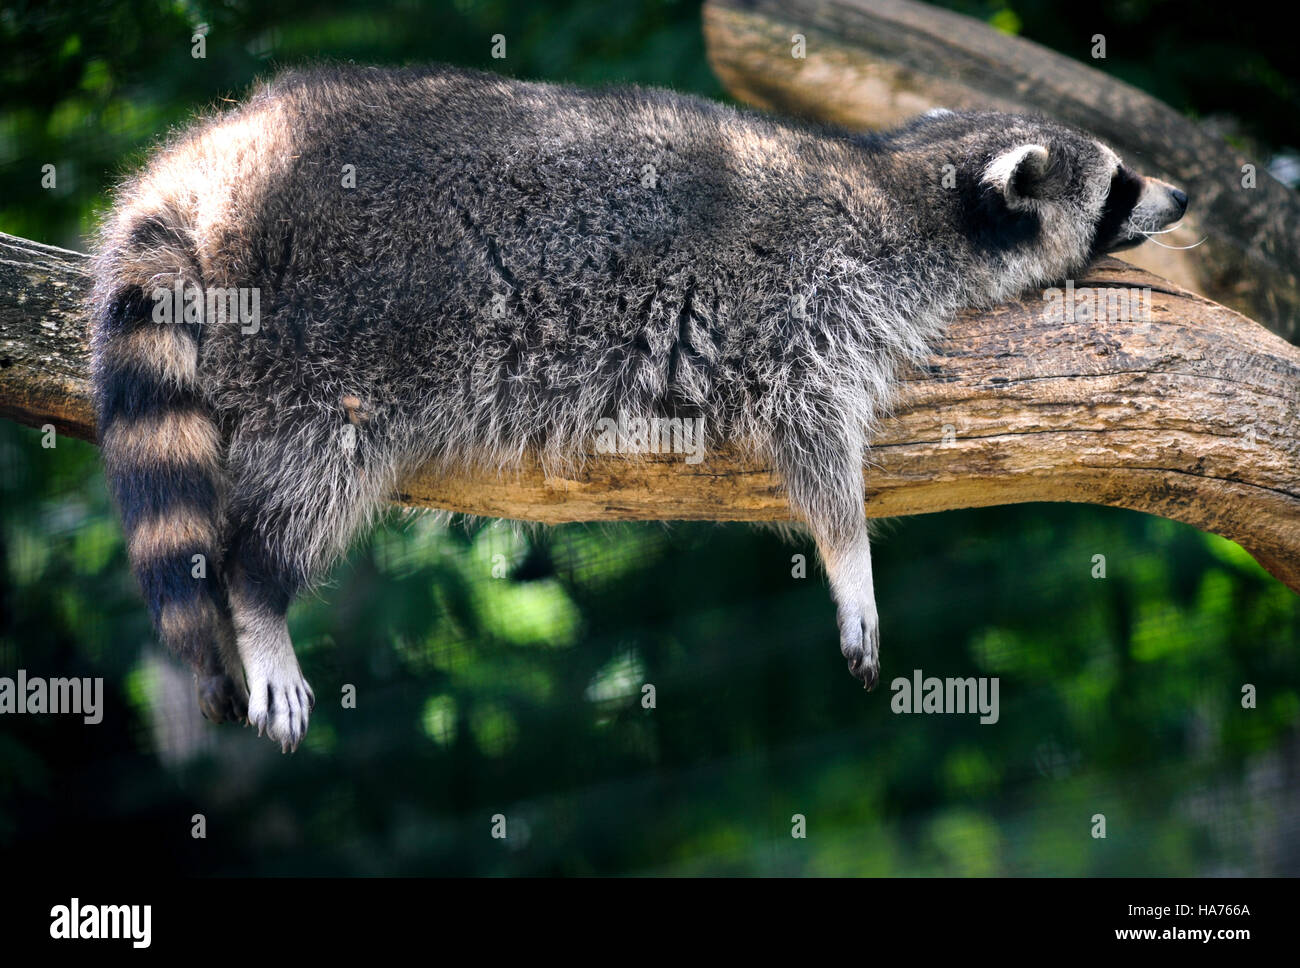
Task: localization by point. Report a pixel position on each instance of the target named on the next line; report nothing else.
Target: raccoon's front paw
(279, 703)
(860, 645)
(221, 700)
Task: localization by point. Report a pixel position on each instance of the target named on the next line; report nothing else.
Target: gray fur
(679, 294)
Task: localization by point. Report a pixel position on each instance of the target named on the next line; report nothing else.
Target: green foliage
(1197, 55)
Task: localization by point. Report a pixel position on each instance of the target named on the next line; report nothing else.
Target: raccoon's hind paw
(221, 700)
(279, 704)
(860, 645)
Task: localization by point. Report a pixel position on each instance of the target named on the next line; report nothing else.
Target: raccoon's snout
(1159, 206)
(1137, 209)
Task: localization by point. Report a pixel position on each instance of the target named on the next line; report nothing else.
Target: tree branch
(1189, 413)
(872, 64)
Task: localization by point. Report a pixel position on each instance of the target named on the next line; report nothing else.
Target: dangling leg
(300, 489)
(822, 471)
(279, 698)
(848, 565)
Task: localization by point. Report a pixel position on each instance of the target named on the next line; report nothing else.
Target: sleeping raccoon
(449, 268)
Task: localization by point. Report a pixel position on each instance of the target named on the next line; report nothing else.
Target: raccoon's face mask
(1135, 207)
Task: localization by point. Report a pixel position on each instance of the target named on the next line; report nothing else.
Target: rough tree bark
(1188, 411)
(871, 64)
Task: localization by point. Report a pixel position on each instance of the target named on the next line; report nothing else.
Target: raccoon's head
(1040, 198)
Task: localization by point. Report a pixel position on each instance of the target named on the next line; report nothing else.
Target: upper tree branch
(873, 64)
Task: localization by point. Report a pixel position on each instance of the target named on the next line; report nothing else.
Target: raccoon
(458, 269)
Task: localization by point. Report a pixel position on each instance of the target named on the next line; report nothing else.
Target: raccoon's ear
(1019, 174)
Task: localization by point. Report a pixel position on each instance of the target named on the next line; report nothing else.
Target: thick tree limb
(1191, 414)
(871, 64)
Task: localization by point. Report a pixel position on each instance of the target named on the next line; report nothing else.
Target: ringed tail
(161, 446)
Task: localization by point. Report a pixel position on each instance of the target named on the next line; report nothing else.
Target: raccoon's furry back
(460, 268)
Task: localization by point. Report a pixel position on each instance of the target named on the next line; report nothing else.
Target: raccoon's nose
(1180, 199)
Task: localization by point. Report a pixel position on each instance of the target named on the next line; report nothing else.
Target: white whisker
(1164, 246)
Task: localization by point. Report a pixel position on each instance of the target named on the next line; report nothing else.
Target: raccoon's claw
(860, 645)
(220, 699)
(280, 707)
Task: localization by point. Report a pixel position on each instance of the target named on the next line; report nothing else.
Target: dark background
(520, 695)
